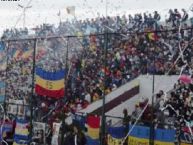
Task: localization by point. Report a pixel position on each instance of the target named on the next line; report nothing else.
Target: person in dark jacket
(184, 16)
(78, 137)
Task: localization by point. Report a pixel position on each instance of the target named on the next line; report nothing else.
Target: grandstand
(113, 80)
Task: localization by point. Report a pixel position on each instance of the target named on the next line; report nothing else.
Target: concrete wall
(165, 83)
(118, 111)
(129, 105)
(111, 96)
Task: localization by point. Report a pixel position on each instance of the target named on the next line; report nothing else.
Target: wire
(147, 104)
(170, 106)
(134, 123)
(179, 56)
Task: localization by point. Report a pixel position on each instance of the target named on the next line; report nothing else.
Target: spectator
(126, 118)
(128, 56)
(78, 136)
(184, 16)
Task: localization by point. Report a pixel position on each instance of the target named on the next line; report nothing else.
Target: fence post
(103, 126)
(6, 75)
(65, 90)
(32, 89)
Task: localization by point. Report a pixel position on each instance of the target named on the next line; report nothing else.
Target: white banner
(39, 132)
(55, 133)
(16, 107)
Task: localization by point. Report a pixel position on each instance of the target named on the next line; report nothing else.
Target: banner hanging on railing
(6, 129)
(186, 137)
(91, 141)
(50, 84)
(140, 135)
(16, 107)
(93, 126)
(116, 135)
(55, 133)
(21, 132)
(79, 120)
(39, 132)
(165, 136)
(2, 57)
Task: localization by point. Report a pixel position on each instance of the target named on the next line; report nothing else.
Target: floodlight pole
(24, 11)
(59, 16)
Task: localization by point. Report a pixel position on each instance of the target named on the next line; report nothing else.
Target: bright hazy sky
(46, 10)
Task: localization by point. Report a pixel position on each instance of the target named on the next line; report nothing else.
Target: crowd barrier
(140, 135)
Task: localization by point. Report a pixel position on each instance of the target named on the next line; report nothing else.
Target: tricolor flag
(152, 36)
(21, 132)
(2, 57)
(17, 55)
(71, 10)
(2, 53)
(23, 53)
(6, 127)
(20, 142)
(27, 54)
(116, 135)
(141, 134)
(40, 53)
(2, 91)
(93, 43)
(2, 46)
(93, 126)
(50, 84)
(3, 66)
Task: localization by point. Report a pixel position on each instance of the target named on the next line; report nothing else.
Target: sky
(45, 11)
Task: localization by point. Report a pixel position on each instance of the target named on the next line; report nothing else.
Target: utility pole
(24, 11)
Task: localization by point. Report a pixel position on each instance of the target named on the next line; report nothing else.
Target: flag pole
(32, 89)
(59, 16)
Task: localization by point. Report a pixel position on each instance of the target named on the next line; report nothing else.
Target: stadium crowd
(138, 44)
(127, 55)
